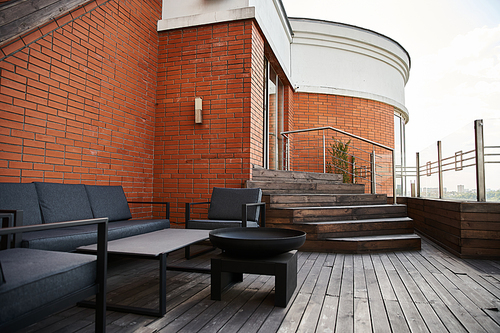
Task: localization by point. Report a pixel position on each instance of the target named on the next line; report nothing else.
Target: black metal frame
(244, 220)
(162, 292)
(16, 220)
(99, 289)
(167, 206)
(162, 289)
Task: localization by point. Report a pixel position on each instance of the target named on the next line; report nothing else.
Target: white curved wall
(318, 56)
(339, 59)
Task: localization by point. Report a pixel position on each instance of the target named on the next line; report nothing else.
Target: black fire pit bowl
(256, 242)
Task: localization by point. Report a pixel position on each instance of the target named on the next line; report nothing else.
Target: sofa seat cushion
(21, 196)
(225, 203)
(68, 239)
(108, 201)
(216, 224)
(63, 202)
(35, 278)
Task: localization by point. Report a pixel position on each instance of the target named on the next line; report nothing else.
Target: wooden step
(359, 228)
(337, 217)
(322, 200)
(294, 176)
(333, 213)
(352, 228)
(405, 242)
(285, 187)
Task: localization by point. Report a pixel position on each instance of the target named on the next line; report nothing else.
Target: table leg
(220, 280)
(163, 285)
(285, 282)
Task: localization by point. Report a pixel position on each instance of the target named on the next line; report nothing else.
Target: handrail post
(324, 152)
(286, 165)
(440, 169)
(372, 166)
(417, 180)
(394, 188)
(353, 163)
(480, 170)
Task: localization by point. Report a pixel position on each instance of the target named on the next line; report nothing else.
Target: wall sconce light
(197, 110)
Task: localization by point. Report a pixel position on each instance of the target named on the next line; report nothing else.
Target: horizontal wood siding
(468, 229)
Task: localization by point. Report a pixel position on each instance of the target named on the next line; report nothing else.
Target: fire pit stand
(227, 269)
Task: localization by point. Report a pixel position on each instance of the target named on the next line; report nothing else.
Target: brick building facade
(100, 96)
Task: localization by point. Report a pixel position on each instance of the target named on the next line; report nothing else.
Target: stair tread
(325, 194)
(341, 207)
(374, 238)
(389, 219)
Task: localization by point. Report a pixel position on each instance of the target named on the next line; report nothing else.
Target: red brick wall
(222, 64)
(257, 98)
(77, 98)
(362, 117)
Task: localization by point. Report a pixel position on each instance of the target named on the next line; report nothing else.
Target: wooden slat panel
(22, 16)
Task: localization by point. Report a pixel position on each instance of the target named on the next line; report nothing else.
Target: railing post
(324, 152)
(394, 187)
(372, 167)
(417, 180)
(440, 170)
(353, 164)
(287, 152)
(480, 171)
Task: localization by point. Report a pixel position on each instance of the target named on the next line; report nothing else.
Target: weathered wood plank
(39, 14)
(399, 292)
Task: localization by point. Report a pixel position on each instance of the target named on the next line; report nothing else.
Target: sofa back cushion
(108, 201)
(21, 196)
(226, 203)
(63, 202)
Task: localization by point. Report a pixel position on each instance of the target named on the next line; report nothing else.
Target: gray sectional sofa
(42, 202)
(39, 275)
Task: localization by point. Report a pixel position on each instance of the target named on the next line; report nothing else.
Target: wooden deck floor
(424, 291)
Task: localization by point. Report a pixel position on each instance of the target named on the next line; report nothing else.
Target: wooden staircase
(337, 217)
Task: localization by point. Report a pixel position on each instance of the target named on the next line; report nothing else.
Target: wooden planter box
(467, 229)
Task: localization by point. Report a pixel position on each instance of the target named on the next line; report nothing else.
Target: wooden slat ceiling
(19, 16)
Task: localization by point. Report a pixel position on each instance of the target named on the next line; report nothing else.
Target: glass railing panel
(429, 182)
(458, 164)
(491, 133)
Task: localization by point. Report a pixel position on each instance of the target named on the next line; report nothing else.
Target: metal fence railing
(466, 162)
(327, 149)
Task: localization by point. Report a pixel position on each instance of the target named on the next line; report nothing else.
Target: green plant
(339, 159)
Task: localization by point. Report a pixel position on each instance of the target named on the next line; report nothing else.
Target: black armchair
(229, 208)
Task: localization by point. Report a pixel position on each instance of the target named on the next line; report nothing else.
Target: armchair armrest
(244, 213)
(187, 212)
(167, 205)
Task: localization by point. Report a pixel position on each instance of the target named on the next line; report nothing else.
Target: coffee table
(156, 246)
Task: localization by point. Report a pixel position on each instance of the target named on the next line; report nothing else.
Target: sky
(454, 46)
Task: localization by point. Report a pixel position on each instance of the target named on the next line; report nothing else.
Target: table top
(153, 243)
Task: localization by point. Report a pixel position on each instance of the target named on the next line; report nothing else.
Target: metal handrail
(339, 131)
(374, 144)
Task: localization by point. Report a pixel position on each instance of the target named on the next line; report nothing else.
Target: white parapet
(316, 56)
(339, 59)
